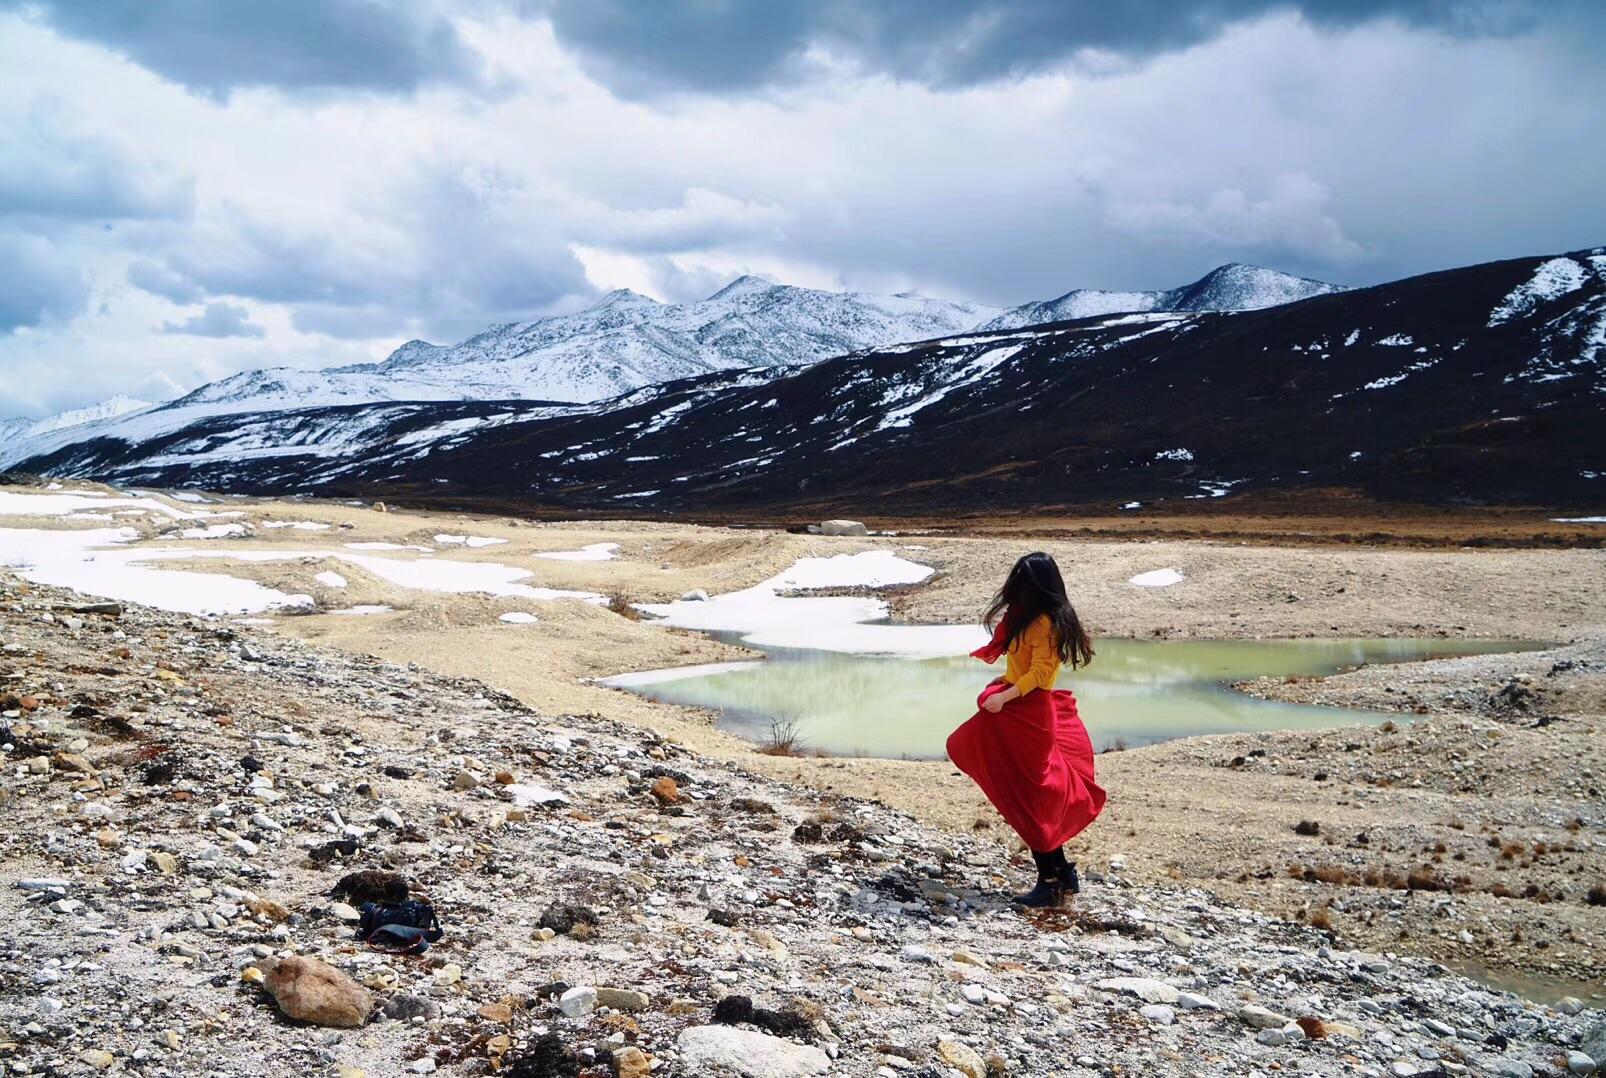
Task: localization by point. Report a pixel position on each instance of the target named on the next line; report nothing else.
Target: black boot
(1050, 890)
(1069, 878)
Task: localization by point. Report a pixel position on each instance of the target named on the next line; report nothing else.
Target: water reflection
(1136, 692)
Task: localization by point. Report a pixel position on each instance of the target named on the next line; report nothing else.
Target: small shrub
(784, 738)
(1321, 919)
(620, 604)
(1308, 828)
(1596, 895)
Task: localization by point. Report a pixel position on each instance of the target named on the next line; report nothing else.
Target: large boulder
(728, 1050)
(308, 990)
(843, 527)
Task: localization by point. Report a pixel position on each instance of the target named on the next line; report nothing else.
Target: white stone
(1258, 1017)
(578, 1001)
(716, 1049)
(1158, 1013)
(1145, 988)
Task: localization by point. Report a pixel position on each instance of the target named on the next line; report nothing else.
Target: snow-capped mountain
(1233, 287)
(622, 342)
(1469, 384)
(626, 341)
(23, 435)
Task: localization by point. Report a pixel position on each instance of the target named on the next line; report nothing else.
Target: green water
(1136, 692)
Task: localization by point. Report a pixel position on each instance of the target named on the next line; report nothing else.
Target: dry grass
(620, 604)
(784, 738)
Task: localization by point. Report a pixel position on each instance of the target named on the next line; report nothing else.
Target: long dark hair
(1033, 589)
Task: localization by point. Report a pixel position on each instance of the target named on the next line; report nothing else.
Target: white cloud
(1291, 219)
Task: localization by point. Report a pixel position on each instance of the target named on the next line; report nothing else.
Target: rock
(1158, 1013)
(1192, 1001)
(165, 863)
(631, 1062)
(371, 885)
(465, 780)
(843, 527)
(1258, 1017)
(622, 999)
(308, 990)
(578, 1001)
(962, 1058)
(1145, 988)
(1312, 1027)
(696, 595)
(1580, 1063)
(1270, 1037)
(44, 883)
(345, 913)
(1508, 1068)
(406, 1008)
(1594, 1043)
(705, 1049)
(97, 1058)
(563, 918)
(666, 791)
(1569, 1005)
(72, 763)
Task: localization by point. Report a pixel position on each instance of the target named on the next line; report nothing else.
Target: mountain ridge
(1233, 286)
(1465, 384)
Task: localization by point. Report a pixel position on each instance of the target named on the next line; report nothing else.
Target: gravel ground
(177, 791)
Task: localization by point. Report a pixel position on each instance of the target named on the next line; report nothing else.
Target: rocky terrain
(183, 797)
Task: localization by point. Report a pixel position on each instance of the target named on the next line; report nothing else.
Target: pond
(1136, 692)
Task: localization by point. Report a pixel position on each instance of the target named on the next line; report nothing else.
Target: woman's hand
(995, 703)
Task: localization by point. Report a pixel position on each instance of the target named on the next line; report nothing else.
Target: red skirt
(1034, 762)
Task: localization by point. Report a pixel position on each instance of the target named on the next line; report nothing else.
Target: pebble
(1258, 1017)
(578, 1001)
(1158, 1013)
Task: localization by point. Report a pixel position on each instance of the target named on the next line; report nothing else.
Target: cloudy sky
(190, 188)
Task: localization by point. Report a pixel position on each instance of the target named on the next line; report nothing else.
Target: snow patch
(767, 618)
(1552, 279)
(1158, 578)
(467, 540)
(591, 552)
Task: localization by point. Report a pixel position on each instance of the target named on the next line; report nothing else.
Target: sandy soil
(1180, 811)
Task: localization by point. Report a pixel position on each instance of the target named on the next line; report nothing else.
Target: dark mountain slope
(1481, 384)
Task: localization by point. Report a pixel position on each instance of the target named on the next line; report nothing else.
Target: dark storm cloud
(645, 46)
(218, 320)
(293, 44)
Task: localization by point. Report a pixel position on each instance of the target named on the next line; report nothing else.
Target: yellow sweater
(1034, 662)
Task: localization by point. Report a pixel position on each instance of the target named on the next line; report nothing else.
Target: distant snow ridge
(15, 434)
(622, 342)
(1233, 287)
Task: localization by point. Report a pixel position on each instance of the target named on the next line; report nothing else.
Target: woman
(1026, 748)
